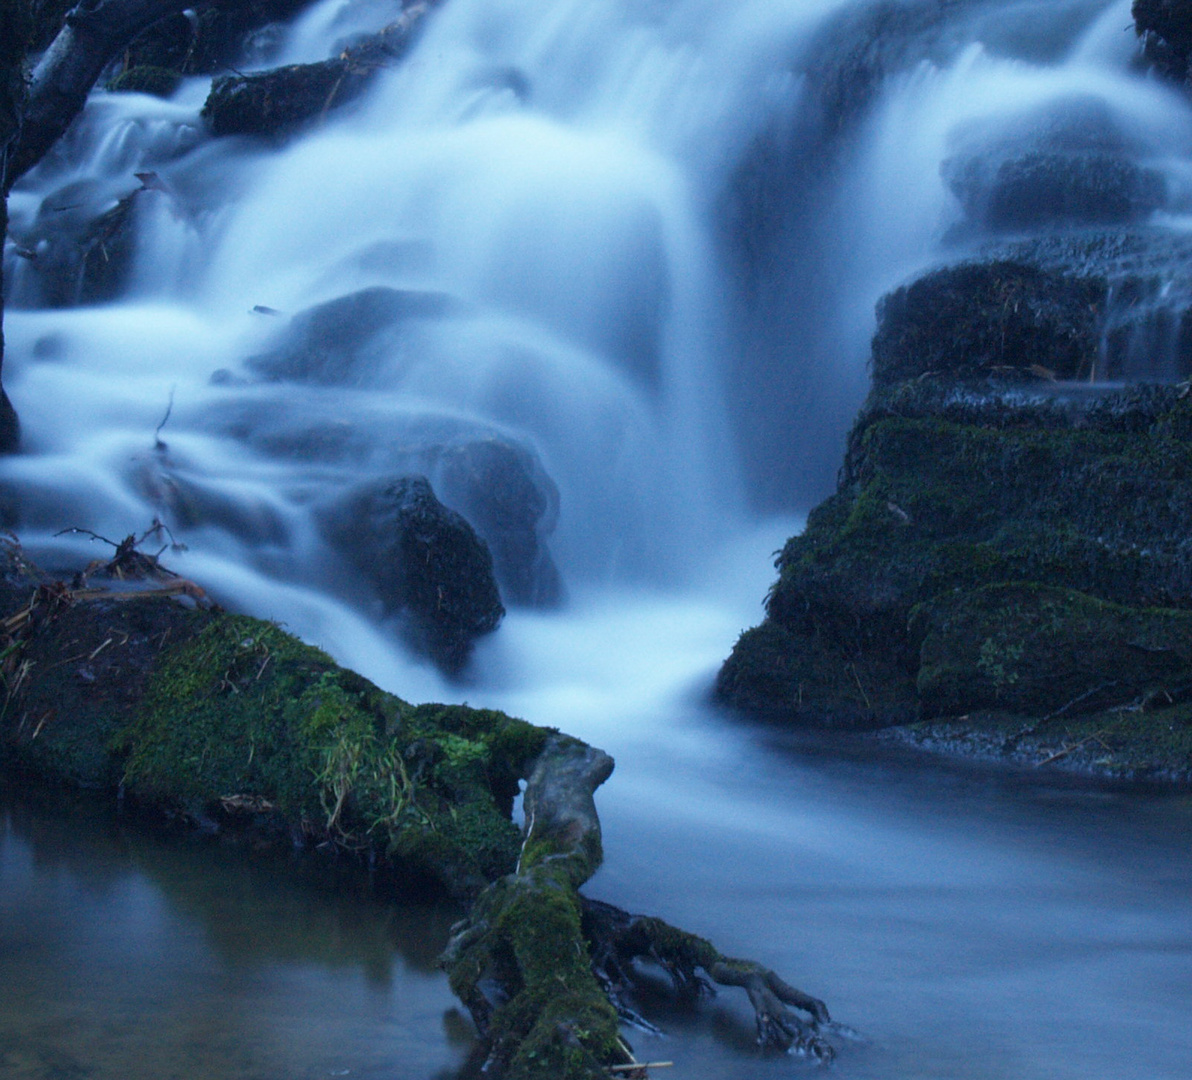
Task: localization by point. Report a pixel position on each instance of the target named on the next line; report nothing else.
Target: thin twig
(157, 441)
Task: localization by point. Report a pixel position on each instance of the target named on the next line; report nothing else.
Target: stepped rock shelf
(129, 681)
(1004, 570)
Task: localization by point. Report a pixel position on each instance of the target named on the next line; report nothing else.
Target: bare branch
(95, 31)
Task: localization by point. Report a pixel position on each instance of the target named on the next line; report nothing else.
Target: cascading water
(639, 243)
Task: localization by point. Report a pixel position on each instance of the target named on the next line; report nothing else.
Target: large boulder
(423, 562)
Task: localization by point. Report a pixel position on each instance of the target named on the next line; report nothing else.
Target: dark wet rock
(1101, 305)
(81, 245)
(1165, 27)
(1145, 324)
(881, 610)
(496, 482)
(982, 316)
(503, 491)
(1066, 163)
(424, 561)
(341, 342)
(279, 102)
(1042, 188)
(209, 37)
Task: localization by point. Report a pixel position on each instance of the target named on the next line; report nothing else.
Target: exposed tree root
(221, 716)
(545, 972)
(617, 939)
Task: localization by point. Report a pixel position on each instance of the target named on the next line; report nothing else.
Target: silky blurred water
(643, 277)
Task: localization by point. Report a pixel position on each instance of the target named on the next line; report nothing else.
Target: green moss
(933, 505)
(808, 679)
(245, 709)
(1036, 649)
(1036, 537)
(557, 1024)
(146, 79)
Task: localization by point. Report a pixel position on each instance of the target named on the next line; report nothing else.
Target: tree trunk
(95, 31)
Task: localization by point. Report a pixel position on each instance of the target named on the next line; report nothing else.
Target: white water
(559, 169)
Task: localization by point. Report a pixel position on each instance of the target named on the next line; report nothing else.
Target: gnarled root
(617, 939)
(518, 962)
(545, 972)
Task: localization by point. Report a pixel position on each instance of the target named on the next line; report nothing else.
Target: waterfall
(638, 243)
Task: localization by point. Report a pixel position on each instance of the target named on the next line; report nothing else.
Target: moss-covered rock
(948, 491)
(217, 716)
(1003, 540)
(1038, 650)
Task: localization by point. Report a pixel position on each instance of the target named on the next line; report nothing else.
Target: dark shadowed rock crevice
(1165, 28)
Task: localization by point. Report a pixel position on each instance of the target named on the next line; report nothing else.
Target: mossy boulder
(223, 717)
(951, 489)
(1001, 542)
(1038, 650)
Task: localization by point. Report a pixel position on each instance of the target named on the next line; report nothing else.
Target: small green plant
(997, 661)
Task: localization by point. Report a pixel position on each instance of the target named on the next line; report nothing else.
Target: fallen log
(145, 689)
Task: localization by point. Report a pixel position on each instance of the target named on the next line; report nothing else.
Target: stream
(644, 248)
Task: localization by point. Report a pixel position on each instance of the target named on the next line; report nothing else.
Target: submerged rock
(425, 563)
(81, 245)
(343, 341)
(506, 495)
(1064, 164)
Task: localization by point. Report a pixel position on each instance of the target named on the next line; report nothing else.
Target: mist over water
(645, 241)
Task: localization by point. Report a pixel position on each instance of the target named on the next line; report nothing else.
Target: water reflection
(126, 954)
